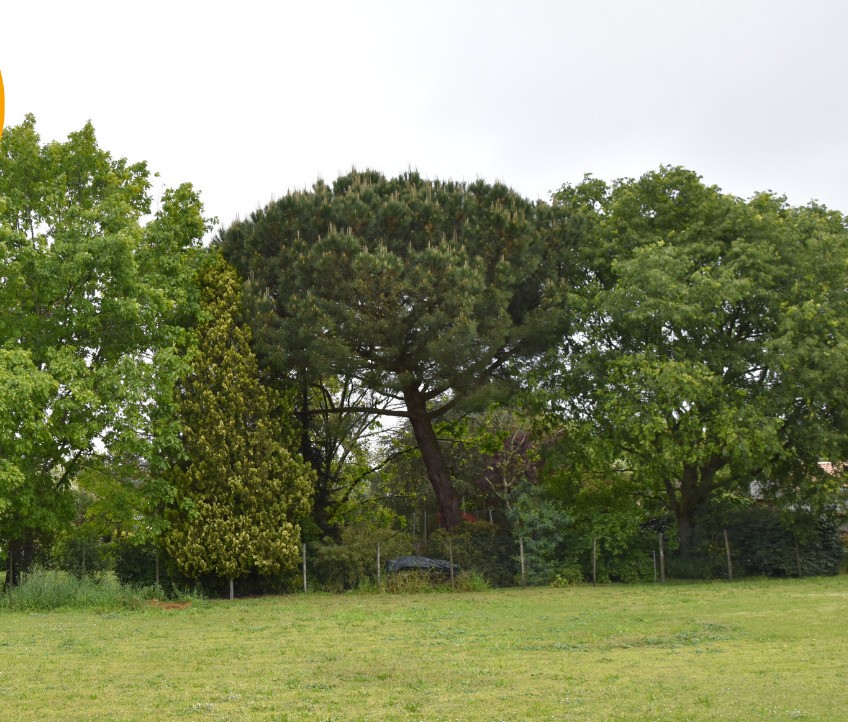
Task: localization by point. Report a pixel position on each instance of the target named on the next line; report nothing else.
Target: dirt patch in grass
(169, 605)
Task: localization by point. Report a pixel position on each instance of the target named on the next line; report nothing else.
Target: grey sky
(250, 99)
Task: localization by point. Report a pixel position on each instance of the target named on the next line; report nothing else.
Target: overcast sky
(250, 99)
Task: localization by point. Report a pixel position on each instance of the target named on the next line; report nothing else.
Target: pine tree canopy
(428, 292)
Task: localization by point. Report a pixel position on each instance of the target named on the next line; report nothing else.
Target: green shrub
(697, 566)
(135, 563)
(46, 589)
(478, 547)
(353, 563)
(568, 575)
(80, 555)
(415, 581)
(470, 582)
(766, 541)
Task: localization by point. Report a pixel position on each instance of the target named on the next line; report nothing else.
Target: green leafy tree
(88, 320)
(713, 350)
(240, 492)
(340, 447)
(428, 293)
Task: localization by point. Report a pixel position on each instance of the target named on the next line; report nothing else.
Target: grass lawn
(768, 650)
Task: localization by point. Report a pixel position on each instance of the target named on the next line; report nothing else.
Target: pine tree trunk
(447, 500)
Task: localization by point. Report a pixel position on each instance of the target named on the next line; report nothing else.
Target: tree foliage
(713, 351)
(426, 292)
(240, 492)
(88, 308)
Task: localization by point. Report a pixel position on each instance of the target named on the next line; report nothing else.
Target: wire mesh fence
(486, 547)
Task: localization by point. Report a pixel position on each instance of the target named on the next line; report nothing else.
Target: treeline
(552, 384)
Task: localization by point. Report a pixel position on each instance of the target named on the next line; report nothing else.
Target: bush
(80, 555)
(353, 563)
(764, 541)
(414, 581)
(545, 525)
(568, 575)
(45, 589)
(478, 547)
(135, 564)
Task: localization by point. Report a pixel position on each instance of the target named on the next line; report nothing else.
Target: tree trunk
(321, 510)
(323, 483)
(447, 500)
(10, 568)
(20, 558)
(686, 532)
(695, 486)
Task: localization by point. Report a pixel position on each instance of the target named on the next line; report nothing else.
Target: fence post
(521, 557)
(729, 563)
(450, 558)
(662, 560)
(654, 553)
(304, 567)
(594, 561)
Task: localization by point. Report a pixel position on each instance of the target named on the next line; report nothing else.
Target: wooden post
(304, 567)
(450, 558)
(594, 561)
(379, 581)
(727, 549)
(655, 566)
(232, 591)
(491, 521)
(521, 558)
(662, 560)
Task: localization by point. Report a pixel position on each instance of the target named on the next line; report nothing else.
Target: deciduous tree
(90, 304)
(714, 347)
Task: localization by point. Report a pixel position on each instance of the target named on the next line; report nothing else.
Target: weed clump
(45, 589)
(415, 581)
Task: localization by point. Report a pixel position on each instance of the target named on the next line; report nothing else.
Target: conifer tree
(240, 492)
(430, 294)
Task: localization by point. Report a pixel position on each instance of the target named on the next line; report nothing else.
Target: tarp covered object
(402, 563)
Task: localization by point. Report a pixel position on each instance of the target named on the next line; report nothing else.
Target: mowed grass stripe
(744, 650)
